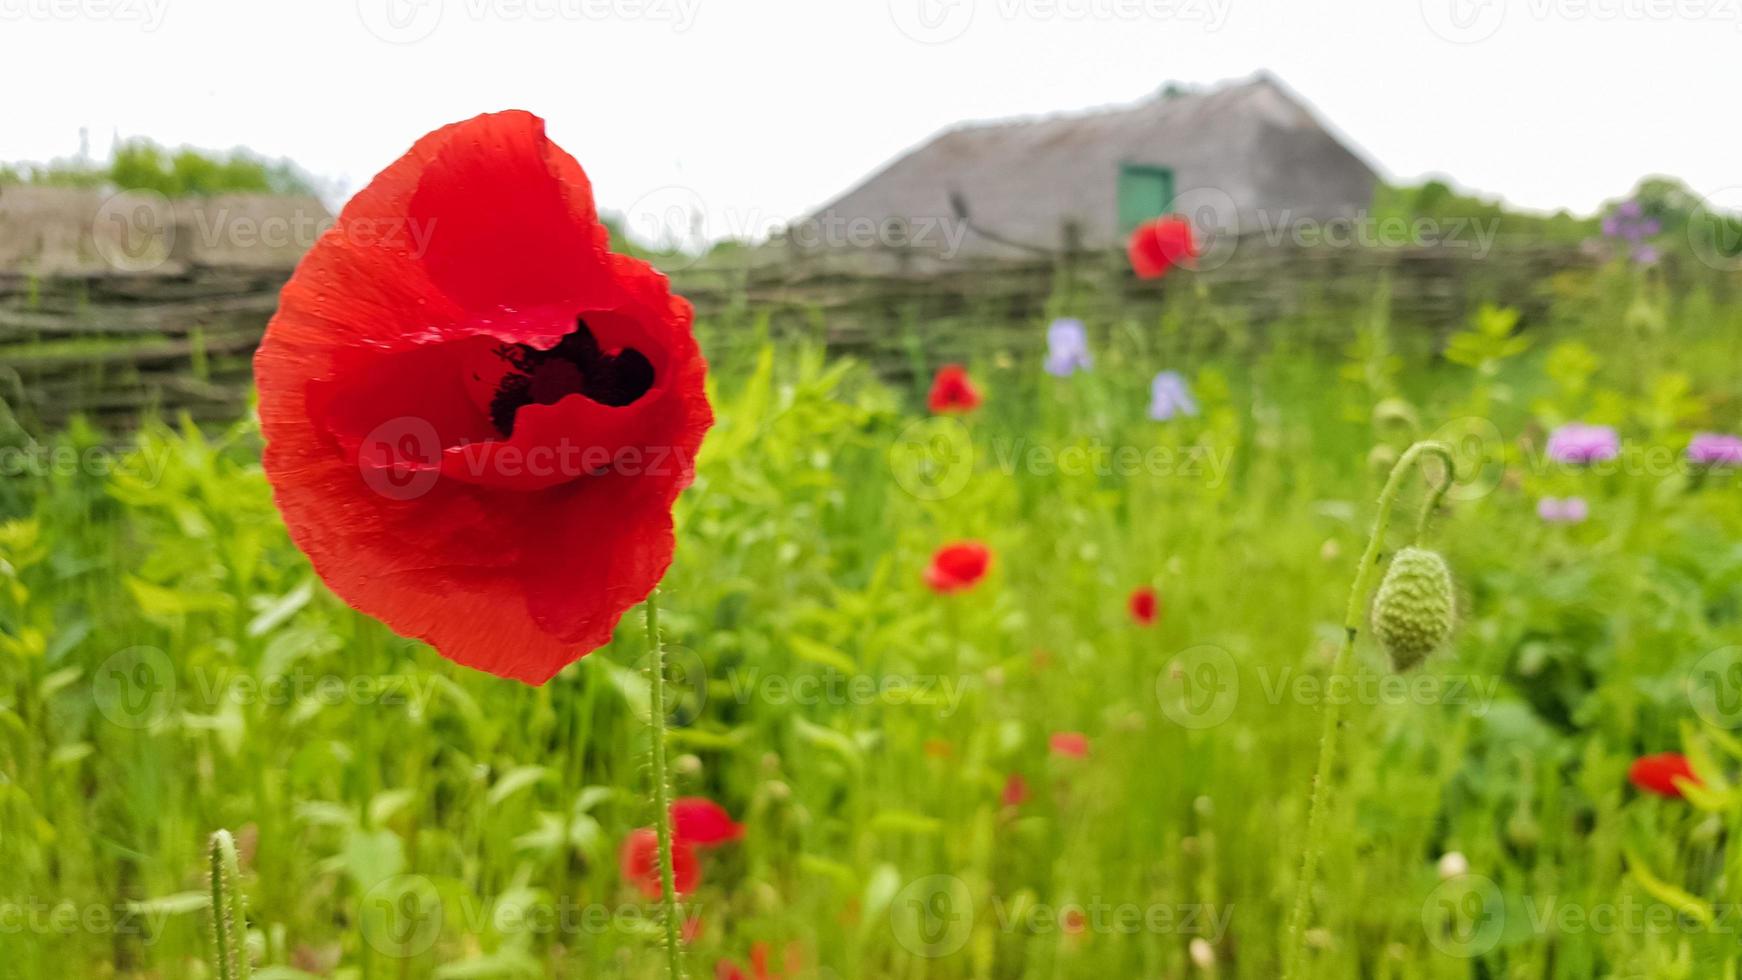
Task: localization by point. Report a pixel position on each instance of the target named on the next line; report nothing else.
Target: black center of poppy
(575, 366)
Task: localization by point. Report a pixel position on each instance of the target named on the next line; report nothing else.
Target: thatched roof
(1239, 153)
(71, 231)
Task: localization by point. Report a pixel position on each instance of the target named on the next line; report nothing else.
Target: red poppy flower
(1071, 745)
(1659, 773)
(1145, 605)
(760, 969)
(958, 566)
(639, 861)
(1015, 790)
(702, 822)
(1159, 245)
(951, 391)
(477, 418)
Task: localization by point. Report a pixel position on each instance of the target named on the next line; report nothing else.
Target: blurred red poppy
(1071, 745)
(1015, 790)
(958, 566)
(477, 417)
(1145, 605)
(1659, 774)
(639, 861)
(1159, 245)
(702, 822)
(951, 391)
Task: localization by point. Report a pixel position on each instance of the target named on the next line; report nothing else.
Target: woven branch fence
(116, 347)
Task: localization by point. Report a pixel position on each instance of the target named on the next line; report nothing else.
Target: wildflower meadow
(913, 490)
(1020, 671)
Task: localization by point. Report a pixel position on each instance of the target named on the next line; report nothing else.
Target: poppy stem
(1352, 616)
(662, 788)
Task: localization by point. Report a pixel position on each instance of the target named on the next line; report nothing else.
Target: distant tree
(1436, 200)
(140, 164)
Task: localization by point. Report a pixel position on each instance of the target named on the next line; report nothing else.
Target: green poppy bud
(1412, 613)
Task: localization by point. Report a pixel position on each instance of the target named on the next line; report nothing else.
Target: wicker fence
(114, 346)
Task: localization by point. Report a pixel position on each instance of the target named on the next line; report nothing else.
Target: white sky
(763, 109)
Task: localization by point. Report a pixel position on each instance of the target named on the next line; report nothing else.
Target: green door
(1145, 192)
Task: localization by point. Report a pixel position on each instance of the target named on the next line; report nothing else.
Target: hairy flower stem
(229, 917)
(661, 788)
(1352, 616)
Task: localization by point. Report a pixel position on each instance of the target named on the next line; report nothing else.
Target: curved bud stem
(1358, 593)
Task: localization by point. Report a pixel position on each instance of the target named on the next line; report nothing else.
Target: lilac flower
(1630, 224)
(1577, 442)
(1067, 348)
(1168, 396)
(1571, 510)
(1715, 449)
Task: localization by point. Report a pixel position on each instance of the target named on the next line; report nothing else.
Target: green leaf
(513, 781)
(1667, 893)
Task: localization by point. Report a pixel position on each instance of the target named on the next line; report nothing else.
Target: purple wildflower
(1577, 442)
(1630, 224)
(1715, 449)
(1555, 510)
(1168, 396)
(1067, 348)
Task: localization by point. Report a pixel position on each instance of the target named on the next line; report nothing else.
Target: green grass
(169, 666)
